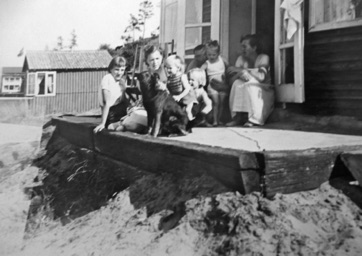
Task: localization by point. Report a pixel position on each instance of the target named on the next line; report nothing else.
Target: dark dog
(165, 116)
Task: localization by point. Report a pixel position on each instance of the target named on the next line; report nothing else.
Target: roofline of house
(65, 69)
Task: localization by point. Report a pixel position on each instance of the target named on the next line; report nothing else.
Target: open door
(289, 51)
(198, 22)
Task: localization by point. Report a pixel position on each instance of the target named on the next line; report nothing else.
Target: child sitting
(111, 95)
(178, 85)
(215, 68)
(197, 80)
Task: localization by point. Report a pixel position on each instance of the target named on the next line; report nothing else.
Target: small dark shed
(64, 81)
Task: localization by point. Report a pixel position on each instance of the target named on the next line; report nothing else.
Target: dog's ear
(155, 78)
(143, 76)
(138, 76)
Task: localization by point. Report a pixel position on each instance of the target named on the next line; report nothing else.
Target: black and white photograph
(180, 127)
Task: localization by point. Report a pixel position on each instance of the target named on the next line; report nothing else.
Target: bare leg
(189, 112)
(222, 98)
(156, 125)
(215, 108)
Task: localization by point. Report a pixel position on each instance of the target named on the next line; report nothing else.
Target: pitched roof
(12, 70)
(55, 60)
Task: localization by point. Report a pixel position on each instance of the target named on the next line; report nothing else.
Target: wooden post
(165, 49)
(140, 66)
(172, 46)
(134, 66)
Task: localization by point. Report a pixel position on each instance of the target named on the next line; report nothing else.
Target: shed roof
(56, 60)
(12, 70)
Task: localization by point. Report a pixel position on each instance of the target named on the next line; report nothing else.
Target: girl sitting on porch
(251, 88)
(178, 85)
(111, 95)
(215, 67)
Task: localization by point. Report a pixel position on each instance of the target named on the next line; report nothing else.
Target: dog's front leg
(150, 121)
(156, 124)
(150, 125)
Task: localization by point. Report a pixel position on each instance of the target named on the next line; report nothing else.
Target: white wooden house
(11, 81)
(319, 67)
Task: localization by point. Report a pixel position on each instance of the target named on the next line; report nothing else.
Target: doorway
(265, 28)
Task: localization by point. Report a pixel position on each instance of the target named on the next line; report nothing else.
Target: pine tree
(73, 40)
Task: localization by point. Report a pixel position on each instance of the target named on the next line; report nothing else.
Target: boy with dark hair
(199, 57)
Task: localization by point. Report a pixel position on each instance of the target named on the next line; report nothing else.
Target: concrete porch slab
(260, 139)
(245, 159)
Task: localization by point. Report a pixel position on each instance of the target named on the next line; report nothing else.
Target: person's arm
(234, 72)
(226, 63)
(261, 69)
(190, 66)
(186, 86)
(105, 110)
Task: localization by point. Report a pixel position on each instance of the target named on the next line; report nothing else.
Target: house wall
(333, 72)
(240, 22)
(265, 26)
(76, 91)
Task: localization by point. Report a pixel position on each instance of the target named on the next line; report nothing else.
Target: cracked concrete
(262, 139)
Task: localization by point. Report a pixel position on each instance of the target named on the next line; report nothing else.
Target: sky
(37, 24)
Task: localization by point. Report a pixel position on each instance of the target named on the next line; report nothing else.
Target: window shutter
(30, 84)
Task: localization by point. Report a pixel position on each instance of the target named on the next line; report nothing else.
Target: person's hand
(231, 70)
(217, 85)
(98, 128)
(245, 75)
(177, 98)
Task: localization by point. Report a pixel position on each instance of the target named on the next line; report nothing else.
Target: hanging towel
(292, 16)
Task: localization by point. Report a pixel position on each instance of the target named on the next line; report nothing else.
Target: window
(200, 20)
(198, 24)
(41, 83)
(332, 14)
(168, 31)
(11, 84)
(288, 58)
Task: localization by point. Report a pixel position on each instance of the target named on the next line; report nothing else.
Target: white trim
(215, 20)
(286, 45)
(198, 25)
(299, 65)
(335, 25)
(313, 27)
(27, 83)
(288, 92)
(181, 19)
(36, 85)
(224, 28)
(277, 64)
(162, 22)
